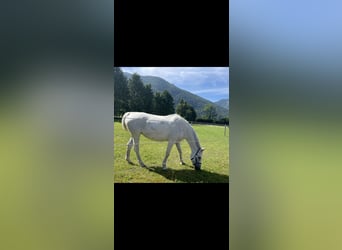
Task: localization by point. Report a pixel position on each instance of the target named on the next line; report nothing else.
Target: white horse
(171, 128)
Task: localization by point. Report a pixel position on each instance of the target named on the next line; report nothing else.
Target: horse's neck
(192, 140)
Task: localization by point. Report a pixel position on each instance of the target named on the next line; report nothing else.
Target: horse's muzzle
(198, 167)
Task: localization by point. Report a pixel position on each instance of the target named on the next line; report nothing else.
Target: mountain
(158, 84)
(224, 103)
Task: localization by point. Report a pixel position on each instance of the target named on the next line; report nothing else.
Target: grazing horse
(171, 128)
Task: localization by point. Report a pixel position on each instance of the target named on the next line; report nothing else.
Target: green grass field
(215, 161)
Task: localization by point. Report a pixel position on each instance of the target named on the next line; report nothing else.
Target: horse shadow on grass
(189, 175)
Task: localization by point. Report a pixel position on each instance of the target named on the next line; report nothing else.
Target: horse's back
(147, 116)
(155, 127)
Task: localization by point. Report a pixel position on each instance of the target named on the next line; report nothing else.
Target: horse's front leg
(136, 149)
(180, 153)
(168, 150)
(128, 152)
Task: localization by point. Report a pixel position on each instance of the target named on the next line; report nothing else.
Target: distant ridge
(159, 84)
(224, 103)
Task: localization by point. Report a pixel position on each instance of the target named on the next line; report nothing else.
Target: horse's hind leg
(128, 152)
(136, 149)
(180, 153)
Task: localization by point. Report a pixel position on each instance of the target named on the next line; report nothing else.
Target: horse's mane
(193, 133)
(196, 138)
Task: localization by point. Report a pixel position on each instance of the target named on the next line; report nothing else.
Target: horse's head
(197, 159)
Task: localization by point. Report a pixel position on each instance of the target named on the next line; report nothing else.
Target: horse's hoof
(182, 163)
(164, 168)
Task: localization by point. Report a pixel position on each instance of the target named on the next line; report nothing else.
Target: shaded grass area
(184, 175)
(215, 162)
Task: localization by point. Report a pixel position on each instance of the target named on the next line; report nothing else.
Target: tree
(157, 104)
(168, 103)
(137, 93)
(148, 99)
(186, 111)
(210, 112)
(121, 93)
(181, 108)
(163, 103)
(190, 114)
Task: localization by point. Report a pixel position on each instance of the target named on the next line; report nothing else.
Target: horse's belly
(157, 132)
(156, 136)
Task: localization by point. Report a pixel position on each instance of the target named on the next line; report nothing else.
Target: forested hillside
(159, 84)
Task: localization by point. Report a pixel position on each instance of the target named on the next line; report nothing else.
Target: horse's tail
(123, 121)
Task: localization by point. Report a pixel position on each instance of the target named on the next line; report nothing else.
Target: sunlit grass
(215, 162)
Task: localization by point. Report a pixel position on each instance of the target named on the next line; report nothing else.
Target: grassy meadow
(215, 160)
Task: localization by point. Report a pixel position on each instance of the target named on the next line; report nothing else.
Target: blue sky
(211, 83)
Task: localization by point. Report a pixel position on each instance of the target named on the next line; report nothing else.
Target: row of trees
(132, 95)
